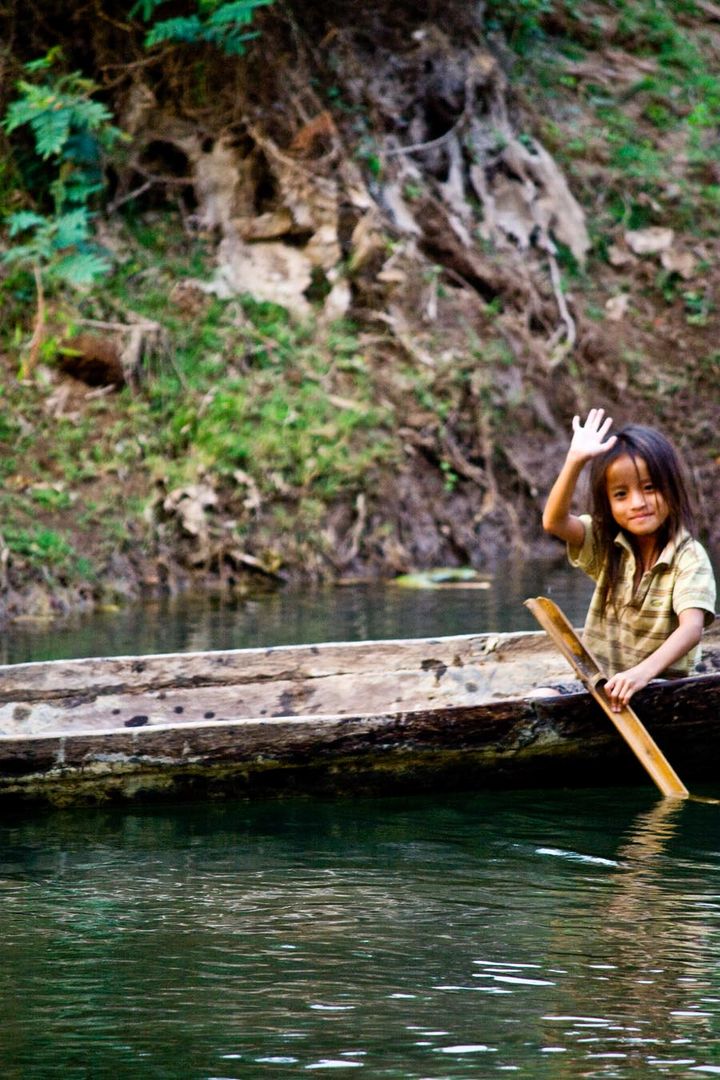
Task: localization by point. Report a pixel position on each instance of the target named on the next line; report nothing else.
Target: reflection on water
(295, 616)
(549, 935)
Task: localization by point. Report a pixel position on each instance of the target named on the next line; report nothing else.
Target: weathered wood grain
(373, 716)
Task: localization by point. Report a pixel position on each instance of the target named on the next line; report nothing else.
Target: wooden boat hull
(371, 717)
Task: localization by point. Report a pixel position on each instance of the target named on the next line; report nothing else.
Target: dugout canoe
(363, 717)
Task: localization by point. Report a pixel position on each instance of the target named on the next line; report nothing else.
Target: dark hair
(668, 478)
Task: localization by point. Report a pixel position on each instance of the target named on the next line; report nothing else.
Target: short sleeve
(585, 556)
(695, 583)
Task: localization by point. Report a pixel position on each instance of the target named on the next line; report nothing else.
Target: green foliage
(450, 477)
(367, 153)
(214, 22)
(657, 133)
(58, 111)
(698, 307)
(282, 418)
(51, 498)
(520, 20)
(71, 130)
(48, 244)
(251, 389)
(45, 549)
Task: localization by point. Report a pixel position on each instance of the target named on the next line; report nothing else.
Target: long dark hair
(667, 474)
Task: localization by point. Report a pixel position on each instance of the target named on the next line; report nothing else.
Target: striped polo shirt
(681, 578)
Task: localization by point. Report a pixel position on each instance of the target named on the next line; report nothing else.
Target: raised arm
(588, 441)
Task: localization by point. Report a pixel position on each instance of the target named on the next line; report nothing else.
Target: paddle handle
(627, 722)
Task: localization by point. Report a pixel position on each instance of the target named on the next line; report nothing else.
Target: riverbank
(391, 387)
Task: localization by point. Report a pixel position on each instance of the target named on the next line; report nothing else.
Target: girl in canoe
(655, 590)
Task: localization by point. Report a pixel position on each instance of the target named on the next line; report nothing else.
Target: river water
(545, 934)
(295, 616)
(542, 934)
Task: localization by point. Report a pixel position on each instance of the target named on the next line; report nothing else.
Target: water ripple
(518, 932)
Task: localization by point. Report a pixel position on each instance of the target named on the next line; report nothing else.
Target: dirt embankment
(400, 173)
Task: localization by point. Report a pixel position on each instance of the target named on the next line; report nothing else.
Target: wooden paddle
(558, 627)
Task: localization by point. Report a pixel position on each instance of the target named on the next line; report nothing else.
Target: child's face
(635, 503)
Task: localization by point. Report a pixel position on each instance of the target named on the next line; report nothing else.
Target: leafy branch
(216, 23)
(72, 130)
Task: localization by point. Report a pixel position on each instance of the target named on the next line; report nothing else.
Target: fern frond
(71, 228)
(240, 12)
(25, 109)
(22, 253)
(51, 130)
(52, 114)
(87, 114)
(187, 30)
(78, 188)
(145, 8)
(222, 26)
(80, 268)
(24, 220)
(231, 42)
(52, 56)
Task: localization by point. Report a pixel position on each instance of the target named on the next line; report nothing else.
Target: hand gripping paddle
(586, 667)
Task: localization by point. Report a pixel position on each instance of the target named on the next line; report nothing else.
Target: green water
(295, 616)
(565, 934)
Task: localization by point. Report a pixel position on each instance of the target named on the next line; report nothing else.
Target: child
(655, 590)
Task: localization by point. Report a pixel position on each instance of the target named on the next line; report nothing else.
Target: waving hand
(589, 439)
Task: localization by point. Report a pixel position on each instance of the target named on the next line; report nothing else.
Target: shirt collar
(668, 553)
